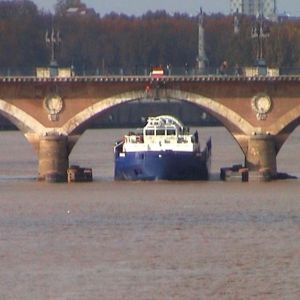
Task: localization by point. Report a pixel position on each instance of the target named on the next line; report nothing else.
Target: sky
(138, 7)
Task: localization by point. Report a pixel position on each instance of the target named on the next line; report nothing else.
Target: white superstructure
(162, 133)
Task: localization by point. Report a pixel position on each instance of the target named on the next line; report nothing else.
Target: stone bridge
(259, 112)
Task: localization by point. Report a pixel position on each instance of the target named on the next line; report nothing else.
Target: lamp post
(53, 40)
(260, 32)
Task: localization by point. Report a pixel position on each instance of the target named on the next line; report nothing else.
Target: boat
(162, 150)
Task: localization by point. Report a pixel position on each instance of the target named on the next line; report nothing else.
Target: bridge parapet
(136, 78)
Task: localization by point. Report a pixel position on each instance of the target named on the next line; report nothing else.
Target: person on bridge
(169, 69)
(223, 68)
(186, 68)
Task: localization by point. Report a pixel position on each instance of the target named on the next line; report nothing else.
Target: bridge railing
(143, 71)
(289, 71)
(27, 71)
(146, 71)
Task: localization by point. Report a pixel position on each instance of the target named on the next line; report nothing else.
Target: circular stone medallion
(262, 105)
(53, 104)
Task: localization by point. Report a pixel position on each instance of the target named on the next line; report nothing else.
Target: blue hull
(165, 165)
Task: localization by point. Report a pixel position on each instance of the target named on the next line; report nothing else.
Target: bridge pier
(261, 154)
(53, 158)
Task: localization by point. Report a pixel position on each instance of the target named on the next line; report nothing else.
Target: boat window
(160, 132)
(150, 132)
(171, 132)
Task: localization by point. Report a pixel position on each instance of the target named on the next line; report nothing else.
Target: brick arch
(207, 104)
(285, 120)
(21, 119)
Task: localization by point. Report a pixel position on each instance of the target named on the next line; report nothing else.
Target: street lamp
(260, 32)
(53, 40)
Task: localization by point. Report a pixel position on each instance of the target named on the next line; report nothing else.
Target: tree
(135, 43)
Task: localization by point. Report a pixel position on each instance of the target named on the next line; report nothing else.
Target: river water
(147, 240)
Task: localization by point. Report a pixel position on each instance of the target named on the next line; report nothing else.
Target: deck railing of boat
(118, 144)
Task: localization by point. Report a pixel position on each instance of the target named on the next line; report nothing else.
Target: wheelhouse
(163, 126)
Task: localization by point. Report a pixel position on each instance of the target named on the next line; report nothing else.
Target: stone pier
(53, 158)
(261, 154)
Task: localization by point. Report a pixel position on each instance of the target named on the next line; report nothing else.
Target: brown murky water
(146, 240)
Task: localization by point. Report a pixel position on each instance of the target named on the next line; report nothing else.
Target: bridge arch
(21, 119)
(208, 105)
(285, 121)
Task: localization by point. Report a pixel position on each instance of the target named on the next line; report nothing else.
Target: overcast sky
(138, 7)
